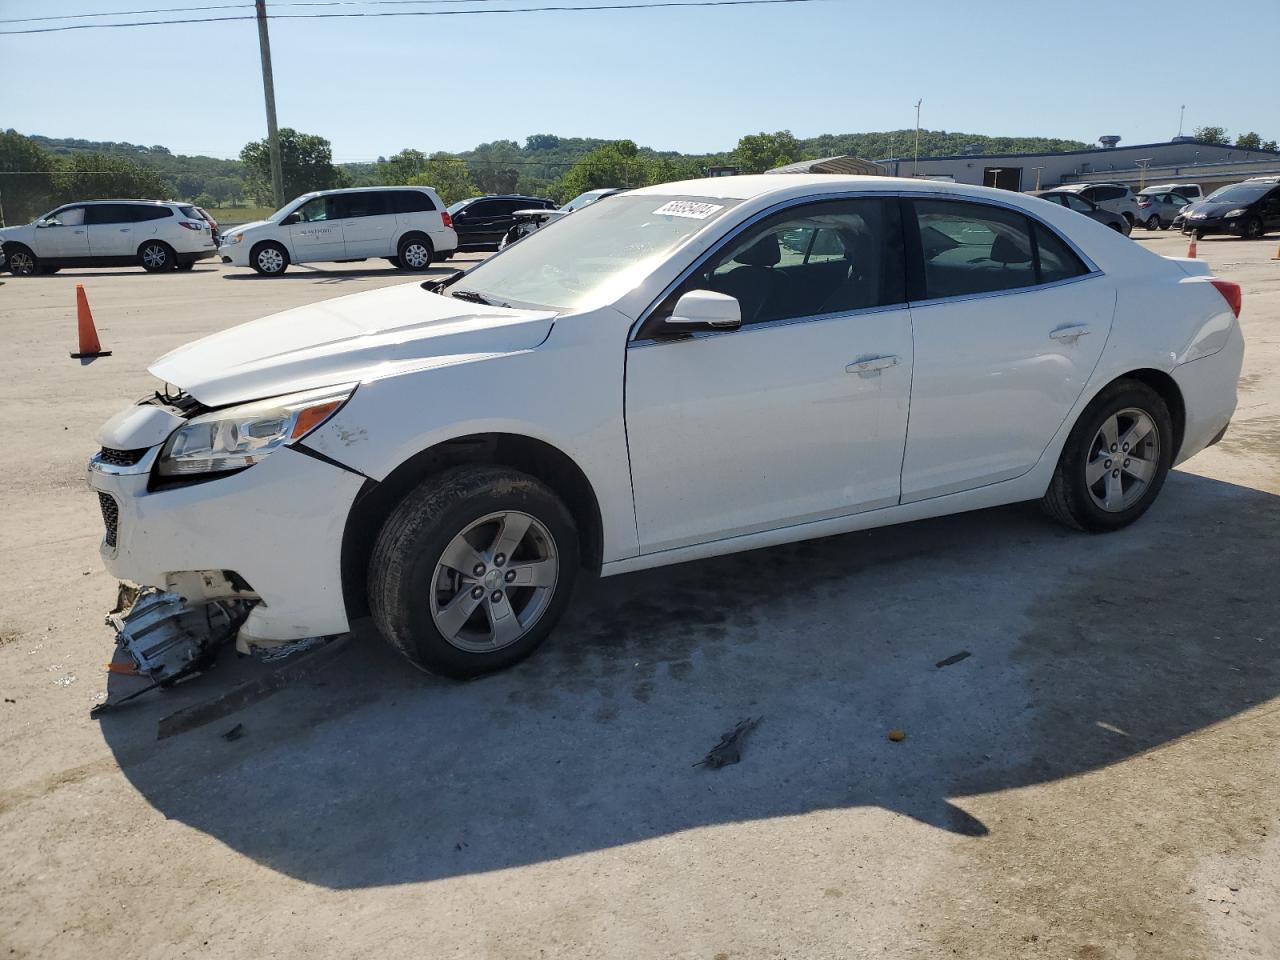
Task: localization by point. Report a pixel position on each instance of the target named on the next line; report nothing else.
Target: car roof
(325, 193)
(783, 186)
(157, 203)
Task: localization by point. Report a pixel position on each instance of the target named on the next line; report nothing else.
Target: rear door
(480, 223)
(1271, 210)
(63, 235)
(1008, 324)
(110, 229)
(368, 223)
(318, 233)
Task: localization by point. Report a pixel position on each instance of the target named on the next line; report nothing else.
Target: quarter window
(1057, 260)
(814, 260)
(150, 211)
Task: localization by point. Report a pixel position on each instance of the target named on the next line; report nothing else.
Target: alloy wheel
(415, 255)
(493, 581)
(270, 260)
(22, 264)
(1123, 459)
(154, 256)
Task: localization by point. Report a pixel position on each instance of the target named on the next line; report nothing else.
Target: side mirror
(47, 223)
(290, 219)
(705, 310)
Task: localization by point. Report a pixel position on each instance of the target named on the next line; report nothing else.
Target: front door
(318, 233)
(63, 235)
(368, 223)
(1007, 333)
(110, 227)
(798, 415)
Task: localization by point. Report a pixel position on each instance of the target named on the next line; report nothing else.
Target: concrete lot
(1099, 780)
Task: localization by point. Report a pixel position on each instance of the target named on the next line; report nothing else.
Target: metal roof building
(842, 165)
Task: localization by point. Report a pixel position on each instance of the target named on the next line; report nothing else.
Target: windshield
(455, 207)
(582, 199)
(605, 247)
(283, 211)
(1239, 193)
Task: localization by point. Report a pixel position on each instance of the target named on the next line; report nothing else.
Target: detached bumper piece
(168, 639)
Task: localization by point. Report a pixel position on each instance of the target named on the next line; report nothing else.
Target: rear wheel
(1115, 461)
(414, 253)
(155, 256)
(394, 261)
(269, 259)
(1153, 222)
(186, 266)
(22, 262)
(472, 570)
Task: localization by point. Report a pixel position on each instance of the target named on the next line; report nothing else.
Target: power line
(413, 13)
(242, 6)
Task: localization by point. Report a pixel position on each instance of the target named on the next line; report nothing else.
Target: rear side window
(366, 204)
(972, 248)
(1108, 193)
(1057, 260)
(102, 213)
(411, 201)
(150, 212)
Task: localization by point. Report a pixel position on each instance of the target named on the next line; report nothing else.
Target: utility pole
(1037, 170)
(269, 90)
(1142, 175)
(915, 163)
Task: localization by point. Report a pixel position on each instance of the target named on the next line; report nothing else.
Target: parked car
(529, 221)
(152, 234)
(213, 224)
(1192, 191)
(407, 226)
(1248, 210)
(654, 381)
(1159, 208)
(1109, 196)
(482, 222)
(1073, 201)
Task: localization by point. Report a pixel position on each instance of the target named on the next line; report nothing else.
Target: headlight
(232, 238)
(239, 437)
(1235, 213)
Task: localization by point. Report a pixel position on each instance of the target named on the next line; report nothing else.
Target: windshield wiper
(437, 286)
(474, 297)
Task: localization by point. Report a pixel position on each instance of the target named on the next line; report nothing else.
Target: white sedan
(688, 370)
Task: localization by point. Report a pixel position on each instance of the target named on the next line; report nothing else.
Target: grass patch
(229, 216)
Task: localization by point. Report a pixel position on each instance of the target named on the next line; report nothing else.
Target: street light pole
(1182, 110)
(269, 91)
(1142, 171)
(915, 163)
(1037, 170)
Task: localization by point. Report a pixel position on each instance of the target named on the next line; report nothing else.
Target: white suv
(409, 226)
(110, 233)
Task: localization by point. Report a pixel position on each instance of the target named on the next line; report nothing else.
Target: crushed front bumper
(272, 532)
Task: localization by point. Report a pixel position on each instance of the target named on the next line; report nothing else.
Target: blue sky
(691, 80)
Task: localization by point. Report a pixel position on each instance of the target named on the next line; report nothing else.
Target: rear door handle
(871, 366)
(1072, 333)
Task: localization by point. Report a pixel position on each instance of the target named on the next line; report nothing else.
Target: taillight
(191, 225)
(1230, 293)
(445, 218)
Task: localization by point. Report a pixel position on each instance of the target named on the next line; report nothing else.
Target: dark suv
(1248, 210)
(481, 222)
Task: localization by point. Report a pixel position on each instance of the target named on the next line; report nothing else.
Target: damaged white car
(686, 370)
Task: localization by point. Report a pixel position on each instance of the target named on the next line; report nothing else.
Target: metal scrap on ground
(729, 749)
(954, 658)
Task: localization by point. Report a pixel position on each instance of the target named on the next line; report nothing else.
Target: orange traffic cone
(89, 345)
(1191, 247)
(1277, 256)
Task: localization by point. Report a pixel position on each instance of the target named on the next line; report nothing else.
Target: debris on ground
(126, 597)
(235, 733)
(897, 736)
(729, 749)
(954, 658)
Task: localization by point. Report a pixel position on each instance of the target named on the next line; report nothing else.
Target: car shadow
(1082, 651)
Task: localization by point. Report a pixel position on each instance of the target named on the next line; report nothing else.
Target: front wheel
(414, 253)
(1115, 461)
(270, 259)
(1253, 229)
(472, 570)
(22, 262)
(155, 257)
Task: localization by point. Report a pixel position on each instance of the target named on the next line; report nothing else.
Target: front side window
(595, 255)
(815, 260)
(972, 248)
(316, 210)
(1077, 204)
(68, 217)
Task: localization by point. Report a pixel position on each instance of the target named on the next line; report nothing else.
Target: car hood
(351, 339)
(246, 227)
(1214, 208)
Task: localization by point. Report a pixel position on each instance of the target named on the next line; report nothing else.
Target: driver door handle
(1070, 334)
(871, 366)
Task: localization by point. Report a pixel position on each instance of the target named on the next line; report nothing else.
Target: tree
(1250, 141)
(306, 159)
(449, 175)
(1212, 135)
(401, 168)
(26, 186)
(615, 164)
(758, 152)
(97, 176)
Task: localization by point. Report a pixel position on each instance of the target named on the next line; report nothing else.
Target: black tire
(394, 261)
(1253, 229)
(21, 262)
(48, 271)
(1068, 499)
(415, 252)
(186, 266)
(444, 255)
(156, 256)
(1117, 227)
(269, 258)
(402, 574)
(1153, 222)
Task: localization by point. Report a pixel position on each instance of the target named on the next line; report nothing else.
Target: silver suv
(1109, 196)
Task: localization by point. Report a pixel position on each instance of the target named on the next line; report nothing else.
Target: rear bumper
(1208, 388)
(194, 257)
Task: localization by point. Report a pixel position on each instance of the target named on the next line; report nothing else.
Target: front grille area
(110, 516)
(121, 458)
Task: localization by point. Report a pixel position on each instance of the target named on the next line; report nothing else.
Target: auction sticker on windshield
(688, 208)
